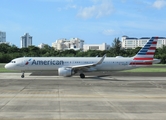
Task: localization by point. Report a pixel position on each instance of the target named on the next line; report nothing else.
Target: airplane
(68, 66)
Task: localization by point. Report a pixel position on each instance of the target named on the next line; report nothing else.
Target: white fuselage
(53, 63)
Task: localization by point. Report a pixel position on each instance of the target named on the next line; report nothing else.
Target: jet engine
(66, 72)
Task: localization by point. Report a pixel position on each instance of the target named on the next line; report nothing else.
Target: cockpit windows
(13, 61)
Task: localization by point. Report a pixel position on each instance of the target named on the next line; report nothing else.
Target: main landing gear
(82, 75)
(22, 76)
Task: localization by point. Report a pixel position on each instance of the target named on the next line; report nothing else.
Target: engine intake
(66, 72)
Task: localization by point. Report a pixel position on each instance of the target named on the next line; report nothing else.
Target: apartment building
(26, 40)
(132, 43)
(101, 47)
(64, 44)
(2, 37)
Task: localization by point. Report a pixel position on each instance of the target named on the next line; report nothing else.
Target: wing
(85, 67)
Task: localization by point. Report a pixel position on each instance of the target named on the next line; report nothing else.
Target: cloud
(159, 4)
(98, 10)
(110, 32)
(67, 7)
(71, 6)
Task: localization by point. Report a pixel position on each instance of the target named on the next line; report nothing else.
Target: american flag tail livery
(145, 56)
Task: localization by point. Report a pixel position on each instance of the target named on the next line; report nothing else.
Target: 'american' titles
(47, 62)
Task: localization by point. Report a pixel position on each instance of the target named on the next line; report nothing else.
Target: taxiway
(60, 98)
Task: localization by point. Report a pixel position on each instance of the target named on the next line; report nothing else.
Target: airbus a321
(68, 66)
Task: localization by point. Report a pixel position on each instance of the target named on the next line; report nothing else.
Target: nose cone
(7, 66)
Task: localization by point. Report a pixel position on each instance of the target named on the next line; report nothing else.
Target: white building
(26, 40)
(131, 43)
(2, 37)
(64, 44)
(42, 45)
(101, 47)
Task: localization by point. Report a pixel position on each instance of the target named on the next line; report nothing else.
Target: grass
(146, 70)
(159, 65)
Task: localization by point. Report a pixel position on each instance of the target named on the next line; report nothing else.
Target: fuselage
(53, 63)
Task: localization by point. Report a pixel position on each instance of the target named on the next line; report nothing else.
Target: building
(2, 37)
(64, 44)
(42, 45)
(101, 47)
(26, 40)
(132, 43)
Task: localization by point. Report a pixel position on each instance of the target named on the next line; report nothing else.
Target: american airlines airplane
(68, 66)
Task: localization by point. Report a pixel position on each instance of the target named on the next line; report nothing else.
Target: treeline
(7, 52)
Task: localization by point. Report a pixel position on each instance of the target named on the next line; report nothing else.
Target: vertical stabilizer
(147, 52)
(145, 56)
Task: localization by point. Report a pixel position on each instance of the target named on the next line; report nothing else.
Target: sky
(94, 21)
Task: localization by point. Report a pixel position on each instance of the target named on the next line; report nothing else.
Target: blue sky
(95, 21)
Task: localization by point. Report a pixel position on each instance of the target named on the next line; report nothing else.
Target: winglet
(101, 60)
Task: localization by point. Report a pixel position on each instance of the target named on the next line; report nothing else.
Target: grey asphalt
(62, 98)
(101, 73)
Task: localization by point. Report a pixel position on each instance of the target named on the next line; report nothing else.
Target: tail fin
(147, 52)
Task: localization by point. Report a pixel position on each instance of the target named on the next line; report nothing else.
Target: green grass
(159, 65)
(146, 70)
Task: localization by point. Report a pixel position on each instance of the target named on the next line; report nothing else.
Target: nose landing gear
(22, 76)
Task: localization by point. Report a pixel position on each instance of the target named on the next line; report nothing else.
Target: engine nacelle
(66, 72)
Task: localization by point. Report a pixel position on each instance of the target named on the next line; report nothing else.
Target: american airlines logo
(27, 62)
(47, 62)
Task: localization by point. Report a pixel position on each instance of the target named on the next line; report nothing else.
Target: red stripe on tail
(152, 48)
(154, 42)
(150, 53)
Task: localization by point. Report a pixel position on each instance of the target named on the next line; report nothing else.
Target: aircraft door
(22, 63)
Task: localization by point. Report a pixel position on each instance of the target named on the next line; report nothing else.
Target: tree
(4, 48)
(13, 49)
(34, 51)
(116, 46)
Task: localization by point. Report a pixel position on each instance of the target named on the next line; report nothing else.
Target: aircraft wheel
(22, 76)
(82, 75)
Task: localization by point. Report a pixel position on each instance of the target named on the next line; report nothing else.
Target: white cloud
(67, 7)
(110, 32)
(71, 6)
(98, 10)
(159, 4)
